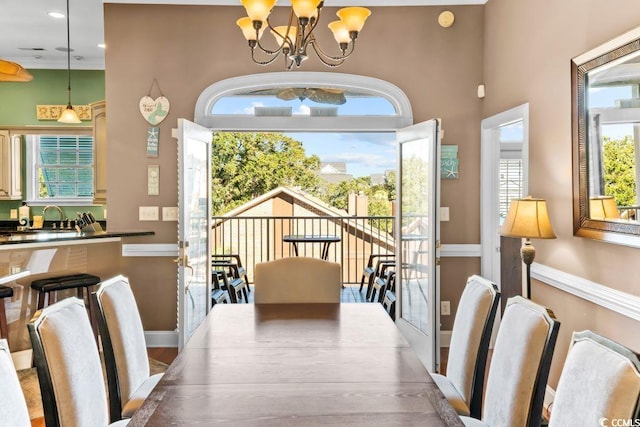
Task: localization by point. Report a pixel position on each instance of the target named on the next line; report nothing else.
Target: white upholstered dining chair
(68, 364)
(464, 381)
(13, 407)
(600, 379)
(297, 280)
(124, 347)
(519, 366)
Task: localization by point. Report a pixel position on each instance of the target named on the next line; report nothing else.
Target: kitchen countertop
(12, 237)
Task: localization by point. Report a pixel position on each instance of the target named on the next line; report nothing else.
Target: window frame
(31, 180)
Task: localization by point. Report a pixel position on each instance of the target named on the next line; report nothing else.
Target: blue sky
(605, 97)
(364, 153)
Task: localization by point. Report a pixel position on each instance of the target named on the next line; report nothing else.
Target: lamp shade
(12, 72)
(354, 17)
(305, 8)
(603, 207)
(280, 34)
(258, 10)
(340, 32)
(528, 218)
(69, 115)
(249, 32)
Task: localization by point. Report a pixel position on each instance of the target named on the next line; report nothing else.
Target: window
(60, 169)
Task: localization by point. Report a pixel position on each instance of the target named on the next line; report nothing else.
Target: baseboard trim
(22, 359)
(620, 302)
(150, 249)
(161, 338)
(460, 250)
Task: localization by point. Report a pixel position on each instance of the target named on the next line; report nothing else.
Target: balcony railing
(260, 238)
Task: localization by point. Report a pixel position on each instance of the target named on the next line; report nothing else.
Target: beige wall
(528, 48)
(188, 48)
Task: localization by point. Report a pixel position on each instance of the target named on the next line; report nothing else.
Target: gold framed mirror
(606, 141)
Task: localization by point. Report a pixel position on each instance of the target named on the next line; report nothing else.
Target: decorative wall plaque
(53, 112)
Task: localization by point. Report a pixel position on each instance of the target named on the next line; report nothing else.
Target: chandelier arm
(267, 62)
(268, 51)
(313, 23)
(327, 60)
(322, 54)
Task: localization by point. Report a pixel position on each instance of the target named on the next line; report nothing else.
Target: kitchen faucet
(59, 209)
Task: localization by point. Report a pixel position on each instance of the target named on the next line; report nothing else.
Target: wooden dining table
(296, 365)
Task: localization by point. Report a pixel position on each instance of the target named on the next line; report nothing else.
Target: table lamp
(528, 218)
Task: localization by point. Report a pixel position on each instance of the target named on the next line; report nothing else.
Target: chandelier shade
(294, 40)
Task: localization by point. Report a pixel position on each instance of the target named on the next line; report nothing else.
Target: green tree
(247, 165)
(619, 170)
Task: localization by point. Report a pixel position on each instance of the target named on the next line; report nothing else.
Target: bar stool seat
(5, 292)
(49, 285)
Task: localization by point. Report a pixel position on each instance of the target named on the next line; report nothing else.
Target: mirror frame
(609, 231)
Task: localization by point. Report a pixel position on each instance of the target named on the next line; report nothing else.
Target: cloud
(378, 138)
(369, 161)
(302, 110)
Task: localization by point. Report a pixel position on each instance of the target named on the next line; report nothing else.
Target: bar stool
(47, 288)
(5, 292)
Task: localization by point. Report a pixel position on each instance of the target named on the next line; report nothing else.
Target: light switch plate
(444, 213)
(169, 213)
(148, 213)
(13, 214)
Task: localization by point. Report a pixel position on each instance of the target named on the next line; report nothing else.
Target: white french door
(418, 239)
(194, 227)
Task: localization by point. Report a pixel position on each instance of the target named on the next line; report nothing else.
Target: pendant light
(69, 115)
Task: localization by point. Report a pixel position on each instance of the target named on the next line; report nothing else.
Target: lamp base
(528, 254)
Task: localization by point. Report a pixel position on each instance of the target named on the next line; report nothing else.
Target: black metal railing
(260, 238)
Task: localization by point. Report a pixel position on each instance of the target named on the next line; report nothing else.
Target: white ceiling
(25, 26)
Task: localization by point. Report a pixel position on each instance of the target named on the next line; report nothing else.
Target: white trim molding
(460, 250)
(150, 249)
(161, 338)
(620, 302)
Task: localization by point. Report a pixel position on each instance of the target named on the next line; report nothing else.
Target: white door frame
(490, 181)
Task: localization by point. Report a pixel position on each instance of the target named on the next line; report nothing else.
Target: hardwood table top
(297, 365)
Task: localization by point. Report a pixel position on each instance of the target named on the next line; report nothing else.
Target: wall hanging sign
(153, 135)
(52, 112)
(449, 162)
(155, 110)
(153, 180)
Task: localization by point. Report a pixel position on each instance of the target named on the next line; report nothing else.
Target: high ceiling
(30, 37)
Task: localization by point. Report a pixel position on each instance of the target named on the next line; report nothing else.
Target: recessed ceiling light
(56, 15)
(102, 45)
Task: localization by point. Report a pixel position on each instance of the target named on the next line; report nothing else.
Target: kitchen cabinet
(10, 171)
(99, 114)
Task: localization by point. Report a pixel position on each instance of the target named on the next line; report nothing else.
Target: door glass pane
(416, 218)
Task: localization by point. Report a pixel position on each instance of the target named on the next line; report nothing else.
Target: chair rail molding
(620, 302)
(469, 250)
(150, 249)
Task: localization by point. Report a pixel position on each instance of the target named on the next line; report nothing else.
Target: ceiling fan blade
(327, 96)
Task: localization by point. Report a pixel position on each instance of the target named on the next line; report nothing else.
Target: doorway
(504, 176)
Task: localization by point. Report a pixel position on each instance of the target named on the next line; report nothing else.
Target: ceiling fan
(315, 94)
(13, 72)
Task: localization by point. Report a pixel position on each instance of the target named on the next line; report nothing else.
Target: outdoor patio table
(325, 239)
(308, 365)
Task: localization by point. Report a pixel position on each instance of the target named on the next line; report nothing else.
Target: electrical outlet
(13, 214)
(445, 308)
(148, 213)
(169, 213)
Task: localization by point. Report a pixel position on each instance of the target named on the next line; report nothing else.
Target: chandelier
(297, 37)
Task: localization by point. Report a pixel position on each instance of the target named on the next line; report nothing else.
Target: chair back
(13, 407)
(600, 379)
(123, 342)
(470, 338)
(68, 365)
(520, 365)
(297, 280)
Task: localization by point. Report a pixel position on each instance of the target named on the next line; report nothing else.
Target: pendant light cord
(68, 59)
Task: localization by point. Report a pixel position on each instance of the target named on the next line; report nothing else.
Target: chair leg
(4, 329)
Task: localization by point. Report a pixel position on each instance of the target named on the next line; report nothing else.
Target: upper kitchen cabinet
(10, 160)
(99, 113)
